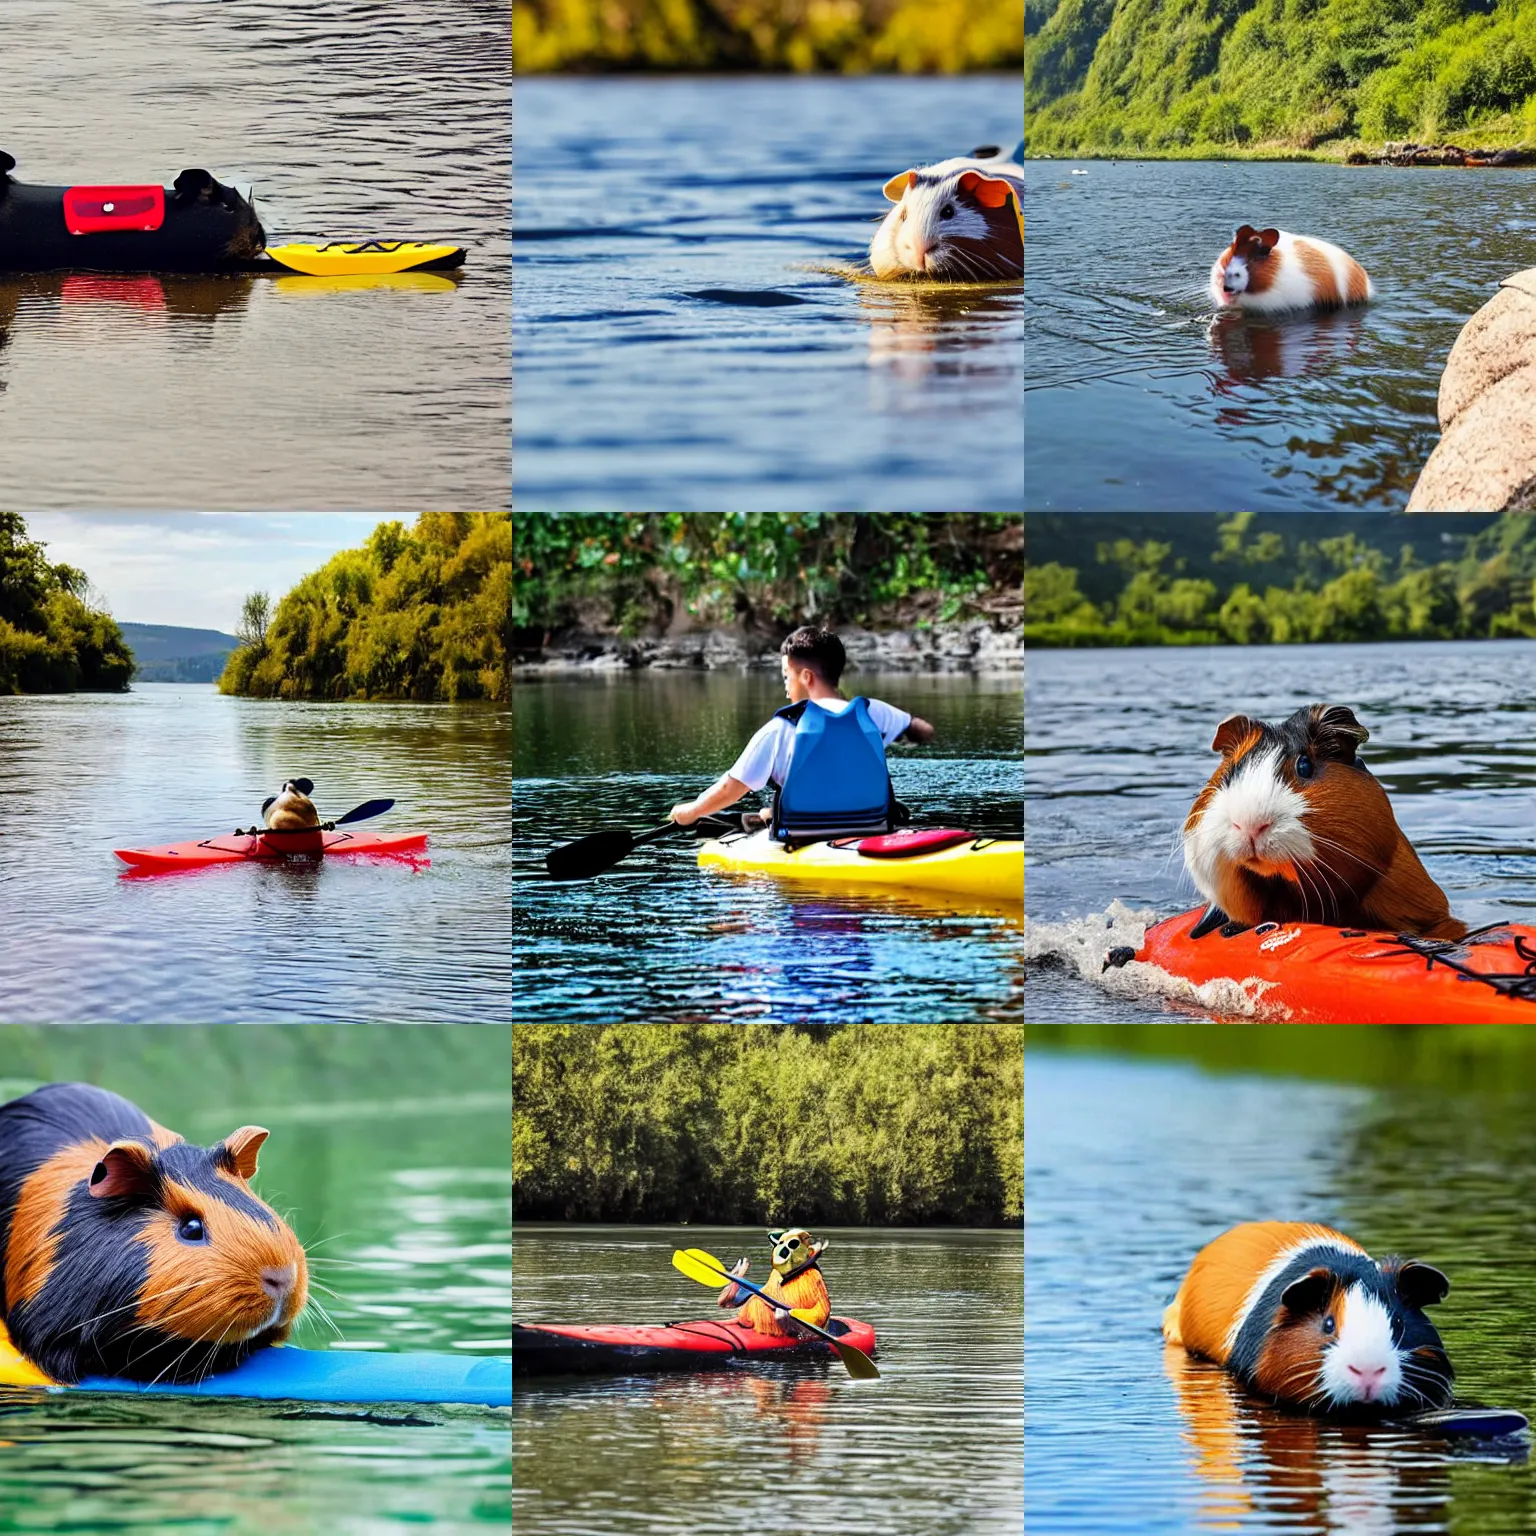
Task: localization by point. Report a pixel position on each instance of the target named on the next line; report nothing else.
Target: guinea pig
(196, 225)
(1270, 270)
(292, 809)
(959, 221)
(125, 1251)
(1293, 827)
(1304, 1315)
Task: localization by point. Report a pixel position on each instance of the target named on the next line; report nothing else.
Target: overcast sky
(195, 568)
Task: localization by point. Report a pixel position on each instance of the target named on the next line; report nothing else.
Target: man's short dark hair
(818, 649)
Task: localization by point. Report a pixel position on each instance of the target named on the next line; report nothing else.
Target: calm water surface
(672, 352)
(389, 1155)
(337, 939)
(355, 119)
(931, 1449)
(1117, 749)
(657, 939)
(1137, 402)
(1132, 1166)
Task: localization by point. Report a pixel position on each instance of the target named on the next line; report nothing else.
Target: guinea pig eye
(947, 211)
(190, 1229)
(1303, 767)
(1328, 1324)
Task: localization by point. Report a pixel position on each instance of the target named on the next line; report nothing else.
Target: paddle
(367, 810)
(591, 855)
(708, 1270)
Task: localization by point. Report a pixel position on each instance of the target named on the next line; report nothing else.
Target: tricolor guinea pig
(1304, 1315)
(292, 809)
(958, 221)
(1271, 270)
(1293, 827)
(128, 1252)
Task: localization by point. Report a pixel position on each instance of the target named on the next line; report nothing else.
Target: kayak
(247, 848)
(310, 1375)
(977, 866)
(713, 1343)
(349, 258)
(1316, 974)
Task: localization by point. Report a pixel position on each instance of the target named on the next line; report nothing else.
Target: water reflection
(1252, 348)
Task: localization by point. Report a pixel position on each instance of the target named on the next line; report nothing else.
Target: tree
(255, 615)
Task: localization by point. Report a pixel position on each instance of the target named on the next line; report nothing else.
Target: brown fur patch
(1289, 1362)
(806, 1292)
(40, 1207)
(1319, 271)
(1359, 289)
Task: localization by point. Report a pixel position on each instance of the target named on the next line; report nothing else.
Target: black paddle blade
(364, 811)
(589, 856)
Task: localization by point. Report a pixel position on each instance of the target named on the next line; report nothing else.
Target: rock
(1485, 460)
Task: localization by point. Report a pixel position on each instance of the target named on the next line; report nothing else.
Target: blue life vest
(837, 784)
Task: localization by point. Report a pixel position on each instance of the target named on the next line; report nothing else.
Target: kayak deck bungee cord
(1317, 973)
(955, 861)
(251, 848)
(309, 1375)
(548, 1349)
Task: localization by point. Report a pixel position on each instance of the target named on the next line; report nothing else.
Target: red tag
(90, 210)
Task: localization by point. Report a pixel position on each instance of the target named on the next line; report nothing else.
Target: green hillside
(172, 653)
(1217, 77)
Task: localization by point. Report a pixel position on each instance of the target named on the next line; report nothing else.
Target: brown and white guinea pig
(1304, 1315)
(1273, 270)
(292, 810)
(128, 1252)
(959, 221)
(1293, 827)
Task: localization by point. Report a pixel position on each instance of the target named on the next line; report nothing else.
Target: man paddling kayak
(824, 754)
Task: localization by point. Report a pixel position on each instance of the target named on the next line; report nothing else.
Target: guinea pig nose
(278, 1282)
(1368, 1376)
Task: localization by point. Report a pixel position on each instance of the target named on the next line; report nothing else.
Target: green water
(390, 1156)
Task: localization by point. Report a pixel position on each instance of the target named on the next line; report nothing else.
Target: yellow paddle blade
(700, 1266)
(860, 1366)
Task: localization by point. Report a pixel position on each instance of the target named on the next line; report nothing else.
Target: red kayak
(248, 848)
(549, 1349)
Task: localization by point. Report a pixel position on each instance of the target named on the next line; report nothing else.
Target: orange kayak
(1315, 974)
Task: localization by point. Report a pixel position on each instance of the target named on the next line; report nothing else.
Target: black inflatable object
(197, 225)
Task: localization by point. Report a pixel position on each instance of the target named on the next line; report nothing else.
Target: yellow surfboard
(352, 258)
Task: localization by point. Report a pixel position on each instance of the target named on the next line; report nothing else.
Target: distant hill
(168, 653)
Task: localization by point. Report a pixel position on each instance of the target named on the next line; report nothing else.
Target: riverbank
(1398, 154)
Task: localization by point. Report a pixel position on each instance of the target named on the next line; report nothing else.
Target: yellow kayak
(991, 868)
(350, 258)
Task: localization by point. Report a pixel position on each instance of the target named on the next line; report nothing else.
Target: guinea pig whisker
(132, 1306)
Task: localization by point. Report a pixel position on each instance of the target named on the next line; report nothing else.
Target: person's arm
(723, 792)
(919, 731)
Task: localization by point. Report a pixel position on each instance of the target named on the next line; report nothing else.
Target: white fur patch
(1362, 1364)
(1255, 819)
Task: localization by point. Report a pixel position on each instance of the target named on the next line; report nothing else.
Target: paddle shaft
(757, 1290)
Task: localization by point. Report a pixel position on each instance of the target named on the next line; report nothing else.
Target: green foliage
(1337, 588)
(51, 639)
(633, 572)
(423, 613)
(854, 1124)
(842, 36)
(1203, 75)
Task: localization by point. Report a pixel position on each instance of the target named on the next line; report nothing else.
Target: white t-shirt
(768, 754)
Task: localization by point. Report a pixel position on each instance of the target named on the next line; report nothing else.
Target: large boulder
(1485, 460)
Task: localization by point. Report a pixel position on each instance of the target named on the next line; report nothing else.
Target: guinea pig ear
(126, 1170)
(1243, 232)
(1269, 238)
(1337, 732)
(240, 1149)
(1421, 1285)
(1232, 732)
(304, 786)
(1309, 1294)
(895, 189)
(989, 191)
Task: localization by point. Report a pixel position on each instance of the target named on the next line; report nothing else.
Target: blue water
(1137, 402)
(670, 349)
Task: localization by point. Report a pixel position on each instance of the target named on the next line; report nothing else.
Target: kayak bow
(549, 1349)
(247, 848)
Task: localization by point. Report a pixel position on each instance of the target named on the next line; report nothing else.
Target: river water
(931, 1449)
(1399, 1138)
(389, 1156)
(357, 119)
(1117, 748)
(672, 351)
(1137, 402)
(328, 939)
(657, 940)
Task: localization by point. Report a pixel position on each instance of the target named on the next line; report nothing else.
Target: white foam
(1080, 945)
